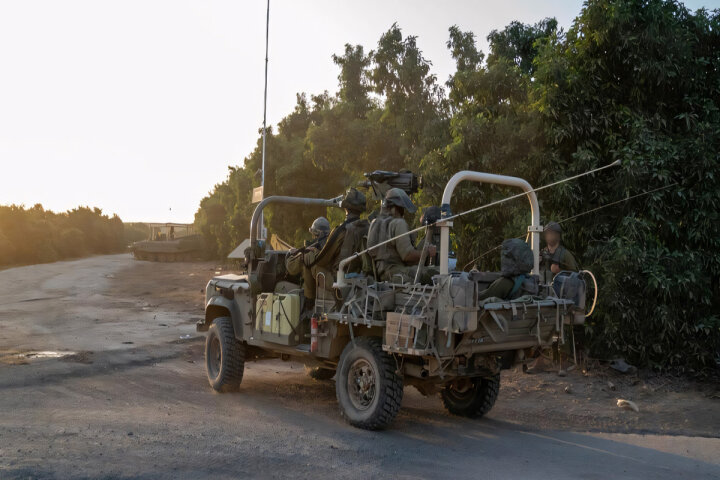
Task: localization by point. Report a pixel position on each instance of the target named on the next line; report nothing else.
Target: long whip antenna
(262, 172)
(573, 217)
(482, 207)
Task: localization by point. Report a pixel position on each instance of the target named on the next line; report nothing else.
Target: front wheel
(224, 356)
(471, 397)
(367, 386)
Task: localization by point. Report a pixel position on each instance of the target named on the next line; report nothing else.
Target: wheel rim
(361, 384)
(461, 390)
(214, 357)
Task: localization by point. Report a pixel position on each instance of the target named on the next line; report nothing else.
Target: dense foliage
(35, 235)
(632, 80)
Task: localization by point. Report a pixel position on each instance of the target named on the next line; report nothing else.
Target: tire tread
(486, 395)
(230, 377)
(390, 397)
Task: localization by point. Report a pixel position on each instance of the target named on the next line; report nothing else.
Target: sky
(139, 106)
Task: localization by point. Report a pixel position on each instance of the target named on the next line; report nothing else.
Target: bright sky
(139, 106)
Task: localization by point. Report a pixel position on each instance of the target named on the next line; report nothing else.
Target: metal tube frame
(535, 229)
(330, 202)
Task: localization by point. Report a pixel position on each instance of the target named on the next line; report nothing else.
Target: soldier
(356, 230)
(554, 257)
(343, 241)
(395, 260)
(295, 261)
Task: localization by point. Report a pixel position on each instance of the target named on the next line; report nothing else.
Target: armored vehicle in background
(378, 336)
(169, 242)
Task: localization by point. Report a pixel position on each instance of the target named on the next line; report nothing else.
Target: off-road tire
(387, 386)
(317, 373)
(476, 401)
(224, 356)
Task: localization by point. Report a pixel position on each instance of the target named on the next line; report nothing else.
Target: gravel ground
(102, 376)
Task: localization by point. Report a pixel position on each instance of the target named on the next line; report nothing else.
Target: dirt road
(101, 376)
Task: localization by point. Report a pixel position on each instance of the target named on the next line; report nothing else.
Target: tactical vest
(556, 257)
(355, 233)
(385, 254)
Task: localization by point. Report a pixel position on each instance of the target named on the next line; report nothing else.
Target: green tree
(637, 81)
(495, 129)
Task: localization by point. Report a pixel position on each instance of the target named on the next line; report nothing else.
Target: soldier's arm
(409, 254)
(309, 256)
(569, 262)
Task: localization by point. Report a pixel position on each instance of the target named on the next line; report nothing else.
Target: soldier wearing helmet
(320, 229)
(322, 261)
(343, 241)
(554, 257)
(356, 230)
(395, 260)
(294, 262)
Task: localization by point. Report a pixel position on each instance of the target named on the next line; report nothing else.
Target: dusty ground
(101, 376)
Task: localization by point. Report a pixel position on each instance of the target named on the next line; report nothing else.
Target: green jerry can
(277, 318)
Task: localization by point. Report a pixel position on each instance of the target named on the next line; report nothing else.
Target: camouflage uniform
(300, 261)
(561, 256)
(389, 257)
(347, 237)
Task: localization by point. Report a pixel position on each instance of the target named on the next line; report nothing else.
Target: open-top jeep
(376, 337)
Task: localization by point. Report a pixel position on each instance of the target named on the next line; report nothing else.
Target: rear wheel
(224, 356)
(471, 397)
(368, 389)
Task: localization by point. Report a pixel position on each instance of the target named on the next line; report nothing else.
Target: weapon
(380, 181)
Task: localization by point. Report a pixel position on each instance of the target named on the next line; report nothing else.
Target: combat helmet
(354, 200)
(398, 197)
(320, 227)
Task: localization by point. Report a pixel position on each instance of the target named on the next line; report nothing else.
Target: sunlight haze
(138, 107)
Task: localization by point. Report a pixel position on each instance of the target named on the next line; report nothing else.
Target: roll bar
(330, 202)
(480, 177)
(445, 225)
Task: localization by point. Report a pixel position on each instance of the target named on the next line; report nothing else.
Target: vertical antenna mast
(262, 177)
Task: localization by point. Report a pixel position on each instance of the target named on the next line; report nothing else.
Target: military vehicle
(377, 337)
(169, 242)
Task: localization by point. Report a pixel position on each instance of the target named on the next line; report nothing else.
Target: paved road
(94, 405)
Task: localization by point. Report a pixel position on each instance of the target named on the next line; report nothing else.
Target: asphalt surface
(97, 383)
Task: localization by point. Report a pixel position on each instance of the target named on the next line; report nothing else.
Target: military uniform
(500, 288)
(295, 264)
(298, 261)
(320, 264)
(354, 241)
(325, 261)
(560, 256)
(389, 257)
